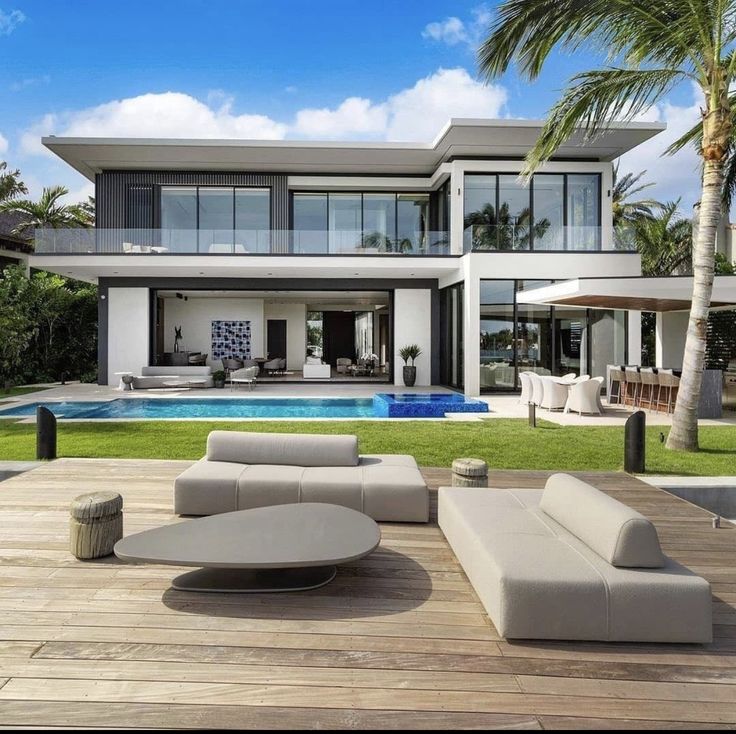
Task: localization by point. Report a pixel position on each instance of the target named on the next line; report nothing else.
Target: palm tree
(665, 241)
(626, 211)
(48, 211)
(11, 185)
(653, 45)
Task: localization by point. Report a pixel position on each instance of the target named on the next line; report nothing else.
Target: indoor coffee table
(291, 547)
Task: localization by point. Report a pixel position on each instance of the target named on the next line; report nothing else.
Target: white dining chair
(537, 388)
(555, 393)
(585, 397)
(526, 388)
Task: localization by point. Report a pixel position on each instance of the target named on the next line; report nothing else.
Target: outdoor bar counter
(711, 394)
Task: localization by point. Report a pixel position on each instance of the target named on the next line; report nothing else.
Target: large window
(451, 336)
(517, 337)
(215, 219)
(354, 222)
(551, 212)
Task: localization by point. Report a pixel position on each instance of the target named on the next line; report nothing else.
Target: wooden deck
(398, 640)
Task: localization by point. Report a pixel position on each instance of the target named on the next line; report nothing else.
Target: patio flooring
(398, 640)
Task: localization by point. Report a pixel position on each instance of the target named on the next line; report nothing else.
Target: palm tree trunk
(716, 131)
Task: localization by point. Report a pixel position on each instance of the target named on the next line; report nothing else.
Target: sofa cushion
(183, 370)
(264, 485)
(388, 460)
(282, 448)
(618, 534)
(395, 494)
(336, 485)
(207, 488)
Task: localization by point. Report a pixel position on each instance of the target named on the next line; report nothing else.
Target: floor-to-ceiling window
(215, 219)
(327, 222)
(517, 337)
(451, 336)
(549, 212)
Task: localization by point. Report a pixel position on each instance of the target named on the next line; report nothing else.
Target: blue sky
(283, 68)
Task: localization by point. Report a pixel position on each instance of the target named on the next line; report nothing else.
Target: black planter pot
(410, 375)
(219, 384)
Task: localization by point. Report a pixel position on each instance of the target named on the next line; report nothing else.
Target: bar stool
(670, 383)
(618, 385)
(649, 381)
(633, 379)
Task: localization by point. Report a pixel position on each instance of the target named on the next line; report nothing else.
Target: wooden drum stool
(469, 473)
(95, 525)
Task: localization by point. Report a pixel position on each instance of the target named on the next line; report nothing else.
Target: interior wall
(296, 330)
(195, 316)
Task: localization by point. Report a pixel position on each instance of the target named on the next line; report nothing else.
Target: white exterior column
(471, 333)
(634, 340)
(128, 331)
(413, 325)
(457, 208)
(670, 338)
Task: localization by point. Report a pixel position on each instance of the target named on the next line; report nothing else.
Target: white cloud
(450, 31)
(419, 113)
(10, 21)
(416, 113)
(3, 144)
(170, 114)
(354, 116)
(453, 31)
(674, 176)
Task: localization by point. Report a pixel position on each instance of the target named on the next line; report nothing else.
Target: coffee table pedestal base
(254, 581)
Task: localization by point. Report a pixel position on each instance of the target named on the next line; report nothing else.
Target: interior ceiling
(310, 297)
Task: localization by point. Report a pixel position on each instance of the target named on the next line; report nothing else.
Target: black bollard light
(533, 415)
(634, 435)
(45, 434)
(63, 378)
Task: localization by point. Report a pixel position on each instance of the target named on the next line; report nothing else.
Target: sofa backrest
(290, 449)
(187, 371)
(620, 535)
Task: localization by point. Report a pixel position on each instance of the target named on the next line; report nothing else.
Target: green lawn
(504, 444)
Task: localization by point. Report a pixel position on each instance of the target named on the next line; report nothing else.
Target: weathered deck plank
(398, 640)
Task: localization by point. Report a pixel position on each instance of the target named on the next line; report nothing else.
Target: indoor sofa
(572, 563)
(245, 470)
(152, 377)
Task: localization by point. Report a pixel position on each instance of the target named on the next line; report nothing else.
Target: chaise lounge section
(245, 470)
(572, 563)
(158, 376)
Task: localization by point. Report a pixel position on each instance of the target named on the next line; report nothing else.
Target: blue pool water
(419, 406)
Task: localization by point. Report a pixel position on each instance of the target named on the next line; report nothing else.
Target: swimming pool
(189, 408)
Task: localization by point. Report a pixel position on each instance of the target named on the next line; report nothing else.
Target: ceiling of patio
(631, 294)
(326, 298)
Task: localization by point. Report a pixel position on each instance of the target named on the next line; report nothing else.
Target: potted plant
(219, 379)
(410, 352)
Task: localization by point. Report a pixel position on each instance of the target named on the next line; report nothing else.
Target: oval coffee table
(291, 547)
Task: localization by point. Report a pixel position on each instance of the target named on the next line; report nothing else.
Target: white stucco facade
(128, 331)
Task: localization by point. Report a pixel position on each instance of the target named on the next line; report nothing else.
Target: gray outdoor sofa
(571, 563)
(245, 470)
(159, 376)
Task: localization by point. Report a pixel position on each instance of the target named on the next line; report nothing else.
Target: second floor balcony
(236, 242)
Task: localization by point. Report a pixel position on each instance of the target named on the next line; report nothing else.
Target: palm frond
(594, 100)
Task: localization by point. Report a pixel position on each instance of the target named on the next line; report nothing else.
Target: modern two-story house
(262, 249)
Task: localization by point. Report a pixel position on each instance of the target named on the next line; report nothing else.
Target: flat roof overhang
(460, 138)
(91, 268)
(630, 294)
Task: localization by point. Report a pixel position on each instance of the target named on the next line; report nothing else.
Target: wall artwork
(231, 339)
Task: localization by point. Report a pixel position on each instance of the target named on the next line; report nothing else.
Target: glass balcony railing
(235, 242)
(522, 238)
